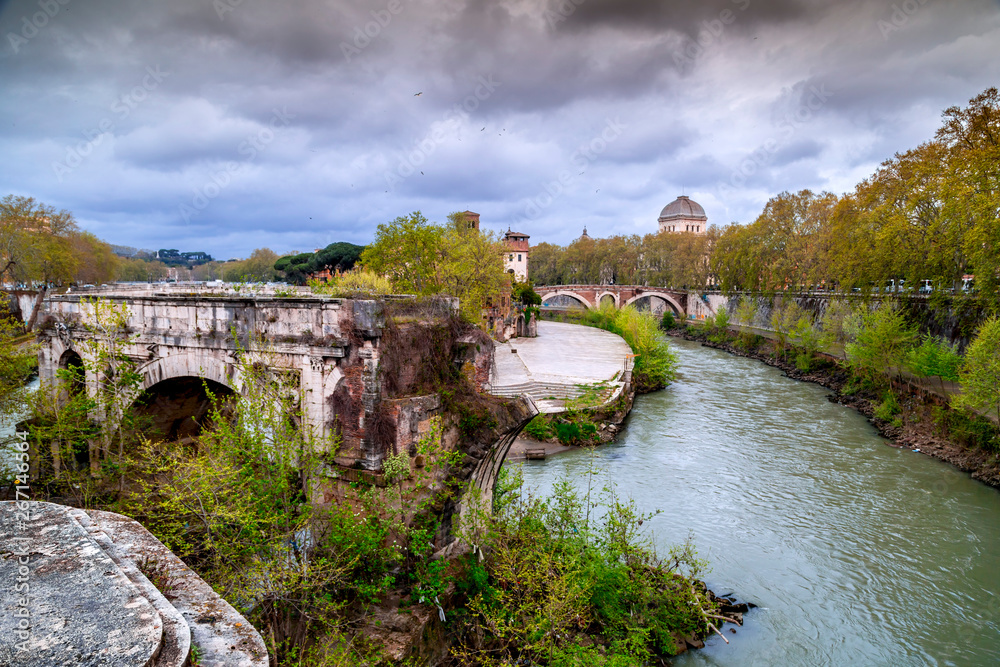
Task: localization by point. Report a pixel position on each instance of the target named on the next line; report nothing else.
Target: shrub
(968, 429)
(808, 339)
(539, 428)
(718, 327)
(655, 363)
(562, 570)
(746, 312)
(881, 343)
(888, 408)
(783, 321)
(980, 374)
(668, 321)
(934, 357)
(355, 284)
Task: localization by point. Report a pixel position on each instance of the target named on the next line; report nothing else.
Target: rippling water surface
(857, 553)
(6, 431)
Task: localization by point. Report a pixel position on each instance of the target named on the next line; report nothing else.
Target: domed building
(683, 215)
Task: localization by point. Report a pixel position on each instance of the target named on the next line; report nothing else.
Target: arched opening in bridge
(654, 304)
(179, 408)
(73, 374)
(564, 301)
(608, 300)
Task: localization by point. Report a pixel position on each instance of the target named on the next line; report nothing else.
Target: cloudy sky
(227, 125)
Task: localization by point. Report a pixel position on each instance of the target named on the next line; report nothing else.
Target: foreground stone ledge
(81, 609)
(223, 637)
(74, 594)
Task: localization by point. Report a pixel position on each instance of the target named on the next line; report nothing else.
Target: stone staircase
(543, 390)
(550, 397)
(76, 592)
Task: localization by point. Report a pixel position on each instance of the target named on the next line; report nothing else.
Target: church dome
(683, 207)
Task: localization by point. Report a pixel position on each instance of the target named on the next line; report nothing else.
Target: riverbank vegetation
(655, 364)
(918, 390)
(573, 580)
(586, 420)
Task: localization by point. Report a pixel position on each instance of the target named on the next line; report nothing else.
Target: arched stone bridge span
(334, 358)
(591, 296)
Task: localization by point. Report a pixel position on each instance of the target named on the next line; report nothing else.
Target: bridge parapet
(591, 296)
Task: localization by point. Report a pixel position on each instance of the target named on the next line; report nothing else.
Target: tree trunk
(30, 324)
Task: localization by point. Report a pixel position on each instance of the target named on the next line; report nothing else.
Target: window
(519, 257)
(510, 258)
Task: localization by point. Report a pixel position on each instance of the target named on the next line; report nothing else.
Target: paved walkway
(563, 353)
(552, 367)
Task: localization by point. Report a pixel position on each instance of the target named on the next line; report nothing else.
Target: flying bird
(418, 94)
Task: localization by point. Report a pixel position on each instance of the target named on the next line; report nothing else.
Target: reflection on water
(857, 553)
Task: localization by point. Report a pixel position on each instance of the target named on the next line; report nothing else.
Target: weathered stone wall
(20, 303)
(956, 322)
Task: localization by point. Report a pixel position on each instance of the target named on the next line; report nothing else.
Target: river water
(857, 553)
(7, 429)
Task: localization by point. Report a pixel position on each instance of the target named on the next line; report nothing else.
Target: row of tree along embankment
(919, 391)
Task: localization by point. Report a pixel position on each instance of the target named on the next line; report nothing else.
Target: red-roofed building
(515, 259)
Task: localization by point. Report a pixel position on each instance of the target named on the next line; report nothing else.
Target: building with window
(515, 259)
(683, 215)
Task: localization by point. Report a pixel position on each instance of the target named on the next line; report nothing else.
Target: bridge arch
(206, 366)
(174, 402)
(180, 407)
(76, 382)
(671, 301)
(615, 298)
(569, 293)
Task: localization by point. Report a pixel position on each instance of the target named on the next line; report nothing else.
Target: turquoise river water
(855, 552)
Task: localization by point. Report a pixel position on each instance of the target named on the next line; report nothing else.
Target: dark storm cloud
(656, 15)
(732, 101)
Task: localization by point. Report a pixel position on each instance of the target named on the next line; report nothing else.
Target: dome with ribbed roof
(683, 215)
(683, 207)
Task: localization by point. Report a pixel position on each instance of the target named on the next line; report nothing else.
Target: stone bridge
(356, 392)
(178, 338)
(592, 296)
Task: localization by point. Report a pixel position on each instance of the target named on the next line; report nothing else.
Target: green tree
(971, 136)
(17, 363)
(411, 252)
(784, 318)
(880, 344)
(935, 357)
(258, 268)
(980, 374)
(421, 257)
(94, 260)
(134, 269)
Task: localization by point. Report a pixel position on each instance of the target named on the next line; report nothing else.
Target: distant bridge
(592, 296)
